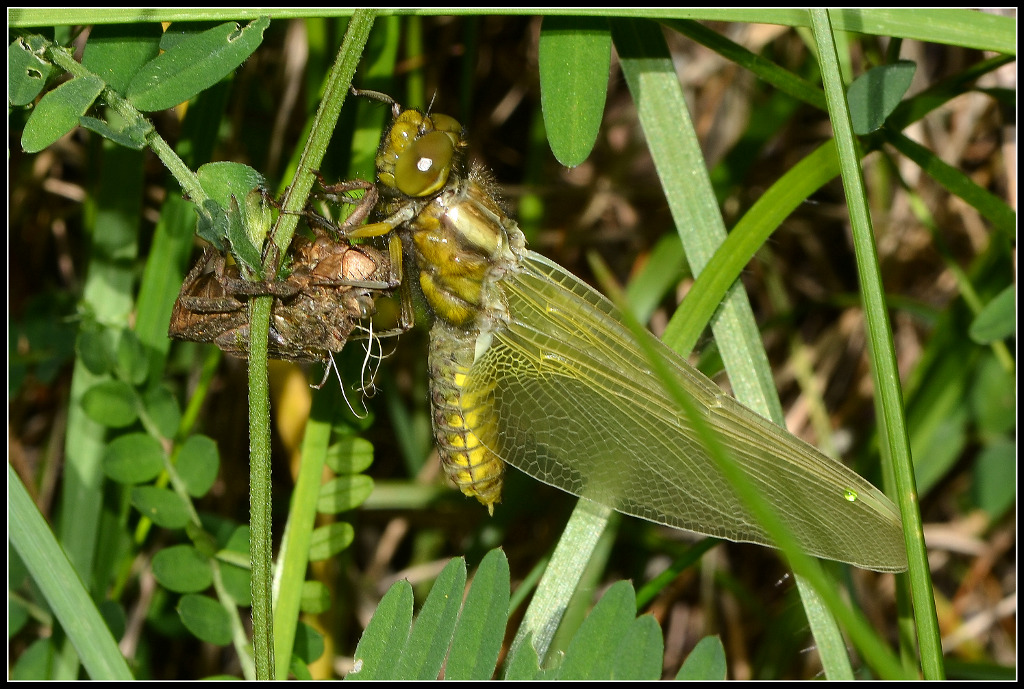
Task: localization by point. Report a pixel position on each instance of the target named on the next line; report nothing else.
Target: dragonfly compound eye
(422, 168)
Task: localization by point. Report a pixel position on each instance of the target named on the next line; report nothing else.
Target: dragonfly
(531, 367)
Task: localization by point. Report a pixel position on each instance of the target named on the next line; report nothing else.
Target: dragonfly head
(418, 153)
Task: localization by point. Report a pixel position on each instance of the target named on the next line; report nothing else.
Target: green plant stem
(260, 513)
(338, 82)
(889, 400)
(295, 545)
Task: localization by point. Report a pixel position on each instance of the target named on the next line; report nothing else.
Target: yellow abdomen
(461, 424)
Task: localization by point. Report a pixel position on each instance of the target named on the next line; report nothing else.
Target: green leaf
(350, 455)
(375, 656)
(239, 541)
(316, 598)
(17, 614)
(994, 485)
(134, 136)
(44, 326)
(875, 94)
(183, 569)
(133, 458)
(181, 31)
(523, 663)
(162, 409)
(662, 270)
(344, 493)
(95, 349)
(114, 617)
(225, 183)
(574, 58)
(238, 583)
(327, 541)
(705, 662)
(111, 403)
(198, 463)
(309, 643)
(36, 662)
(939, 444)
(205, 618)
(424, 652)
(212, 224)
(116, 52)
(242, 246)
(993, 398)
(297, 668)
(222, 180)
(204, 541)
(132, 365)
(594, 650)
(193, 65)
(27, 72)
(481, 628)
(58, 112)
(997, 320)
(164, 507)
(639, 654)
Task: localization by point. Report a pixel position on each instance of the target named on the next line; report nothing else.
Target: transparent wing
(575, 407)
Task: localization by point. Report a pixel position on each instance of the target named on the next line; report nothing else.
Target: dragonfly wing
(575, 406)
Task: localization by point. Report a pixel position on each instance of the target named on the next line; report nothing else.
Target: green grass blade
(53, 573)
(991, 207)
(579, 538)
(745, 239)
(293, 557)
(699, 222)
(683, 175)
(895, 443)
(765, 69)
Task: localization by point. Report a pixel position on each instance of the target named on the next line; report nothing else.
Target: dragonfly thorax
(463, 244)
